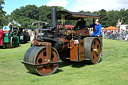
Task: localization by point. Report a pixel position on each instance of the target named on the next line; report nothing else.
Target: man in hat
(97, 30)
(81, 24)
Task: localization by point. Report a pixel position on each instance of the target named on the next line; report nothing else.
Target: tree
(26, 15)
(43, 12)
(7, 19)
(31, 13)
(2, 13)
(103, 14)
(112, 18)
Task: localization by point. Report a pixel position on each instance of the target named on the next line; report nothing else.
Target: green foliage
(110, 18)
(7, 19)
(43, 12)
(31, 13)
(25, 15)
(2, 13)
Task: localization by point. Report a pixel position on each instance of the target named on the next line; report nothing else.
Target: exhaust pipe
(54, 16)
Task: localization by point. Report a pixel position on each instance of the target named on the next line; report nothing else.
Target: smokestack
(54, 16)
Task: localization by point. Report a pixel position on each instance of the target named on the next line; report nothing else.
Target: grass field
(112, 70)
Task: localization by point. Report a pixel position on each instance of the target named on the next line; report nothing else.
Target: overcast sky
(72, 5)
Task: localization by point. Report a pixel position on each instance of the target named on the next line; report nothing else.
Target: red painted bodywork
(1, 37)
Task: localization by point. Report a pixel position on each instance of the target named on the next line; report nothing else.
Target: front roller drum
(38, 55)
(93, 49)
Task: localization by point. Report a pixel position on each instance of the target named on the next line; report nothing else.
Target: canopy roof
(111, 28)
(34, 23)
(74, 15)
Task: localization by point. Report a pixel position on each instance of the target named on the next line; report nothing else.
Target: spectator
(102, 34)
(121, 34)
(114, 34)
(111, 37)
(117, 35)
(36, 33)
(8, 28)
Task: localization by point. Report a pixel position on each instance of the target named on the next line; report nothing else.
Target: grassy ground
(112, 70)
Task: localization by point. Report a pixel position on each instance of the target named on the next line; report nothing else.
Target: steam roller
(55, 45)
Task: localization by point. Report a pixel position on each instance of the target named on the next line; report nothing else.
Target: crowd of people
(115, 34)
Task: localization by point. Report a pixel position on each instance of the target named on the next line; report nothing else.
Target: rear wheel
(93, 49)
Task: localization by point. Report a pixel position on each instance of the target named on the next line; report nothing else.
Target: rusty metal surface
(73, 51)
(83, 32)
(38, 55)
(81, 50)
(48, 48)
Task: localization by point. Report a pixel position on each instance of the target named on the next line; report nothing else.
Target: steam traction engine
(66, 44)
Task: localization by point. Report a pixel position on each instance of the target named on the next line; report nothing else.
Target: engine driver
(80, 24)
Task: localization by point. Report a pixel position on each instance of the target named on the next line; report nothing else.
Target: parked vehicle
(66, 44)
(23, 35)
(11, 39)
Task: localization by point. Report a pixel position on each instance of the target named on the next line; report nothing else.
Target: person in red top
(1, 37)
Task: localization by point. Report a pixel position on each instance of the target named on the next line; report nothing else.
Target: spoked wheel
(38, 55)
(93, 49)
